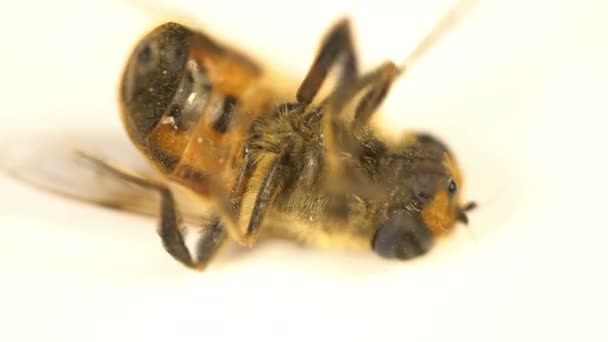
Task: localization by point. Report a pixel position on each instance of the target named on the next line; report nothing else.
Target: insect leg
(381, 79)
(170, 220)
(240, 184)
(377, 83)
(342, 139)
(210, 244)
(169, 230)
(271, 174)
(336, 50)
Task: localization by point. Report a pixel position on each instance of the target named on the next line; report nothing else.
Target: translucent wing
(52, 163)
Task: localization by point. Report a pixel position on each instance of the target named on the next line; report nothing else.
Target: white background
(518, 91)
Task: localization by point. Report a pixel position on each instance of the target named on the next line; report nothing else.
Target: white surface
(519, 92)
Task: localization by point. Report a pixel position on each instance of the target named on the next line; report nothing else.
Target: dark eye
(403, 236)
(452, 187)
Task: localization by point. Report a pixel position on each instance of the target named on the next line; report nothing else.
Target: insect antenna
(462, 217)
(446, 23)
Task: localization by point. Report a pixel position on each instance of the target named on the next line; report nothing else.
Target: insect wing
(54, 164)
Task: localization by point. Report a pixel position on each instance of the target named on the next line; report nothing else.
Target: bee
(309, 169)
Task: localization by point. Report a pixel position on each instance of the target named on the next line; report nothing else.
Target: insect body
(308, 169)
(258, 164)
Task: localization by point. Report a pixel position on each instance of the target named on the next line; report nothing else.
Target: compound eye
(403, 236)
(452, 187)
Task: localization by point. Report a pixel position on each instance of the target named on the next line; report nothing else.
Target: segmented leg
(271, 184)
(240, 183)
(210, 244)
(377, 83)
(169, 231)
(170, 220)
(336, 50)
